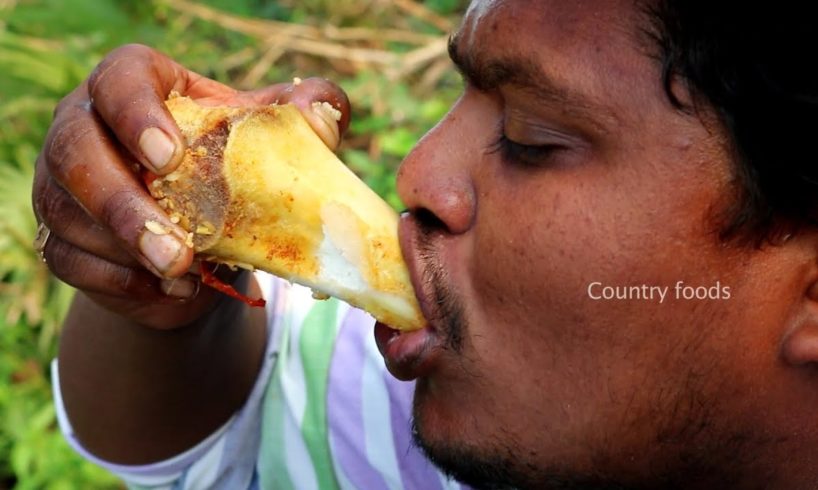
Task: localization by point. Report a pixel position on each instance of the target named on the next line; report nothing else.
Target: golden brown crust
(258, 188)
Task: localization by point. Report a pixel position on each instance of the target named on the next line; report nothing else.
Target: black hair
(753, 63)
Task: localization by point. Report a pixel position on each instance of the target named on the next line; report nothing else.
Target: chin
(501, 467)
(447, 441)
(463, 463)
(488, 459)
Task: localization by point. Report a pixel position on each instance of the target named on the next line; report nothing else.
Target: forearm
(136, 394)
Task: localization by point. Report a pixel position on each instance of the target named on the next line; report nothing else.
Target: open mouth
(409, 355)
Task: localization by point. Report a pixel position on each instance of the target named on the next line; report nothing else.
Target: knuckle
(120, 211)
(125, 53)
(64, 261)
(88, 272)
(38, 188)
(60, 106)
(73, 99)
(62, 214)
(133, 119)
(130, 50)
(49, 204)
(64, 142)
(128, 280)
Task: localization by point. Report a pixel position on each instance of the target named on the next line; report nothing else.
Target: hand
(87, 189)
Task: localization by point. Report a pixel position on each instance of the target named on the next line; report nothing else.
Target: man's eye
(519, 154)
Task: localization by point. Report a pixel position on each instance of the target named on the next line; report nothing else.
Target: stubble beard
(692, 447)
(702, 450)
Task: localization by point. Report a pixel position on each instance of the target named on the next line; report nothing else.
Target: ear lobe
(800, 344)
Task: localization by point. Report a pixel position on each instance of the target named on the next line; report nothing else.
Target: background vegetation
(389, 55)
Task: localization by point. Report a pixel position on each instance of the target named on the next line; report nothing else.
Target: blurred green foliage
(47, 47)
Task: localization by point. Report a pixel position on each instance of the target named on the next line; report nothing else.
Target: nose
(434, 180)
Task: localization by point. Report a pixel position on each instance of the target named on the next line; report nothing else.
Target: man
(652, 146)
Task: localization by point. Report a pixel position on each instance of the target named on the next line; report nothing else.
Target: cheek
(521, 255)
(527, 271)
(534, 246)
(541, 238)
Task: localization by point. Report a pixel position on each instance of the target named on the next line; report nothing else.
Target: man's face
(523, 376)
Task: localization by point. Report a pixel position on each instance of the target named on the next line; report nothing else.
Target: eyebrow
(524, 72)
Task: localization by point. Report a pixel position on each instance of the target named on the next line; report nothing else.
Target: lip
(409, 355)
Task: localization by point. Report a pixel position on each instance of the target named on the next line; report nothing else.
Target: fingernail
(157, 147)
(161, 250)
(179, 288)
(328, 118)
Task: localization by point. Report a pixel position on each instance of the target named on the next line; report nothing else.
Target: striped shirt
(323, 414)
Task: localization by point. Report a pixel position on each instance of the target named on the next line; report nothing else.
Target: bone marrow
(257, 188)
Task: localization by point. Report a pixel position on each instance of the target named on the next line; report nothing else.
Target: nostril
(428, 221)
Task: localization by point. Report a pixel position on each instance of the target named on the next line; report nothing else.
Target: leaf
(398, 142)
(43, 18)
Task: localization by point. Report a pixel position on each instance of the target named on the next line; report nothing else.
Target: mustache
(450, 318)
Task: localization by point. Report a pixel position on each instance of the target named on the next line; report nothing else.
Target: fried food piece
(259, 189)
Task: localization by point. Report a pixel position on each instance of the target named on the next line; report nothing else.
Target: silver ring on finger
(41, 240)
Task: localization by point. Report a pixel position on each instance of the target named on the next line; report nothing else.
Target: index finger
(128, 90)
